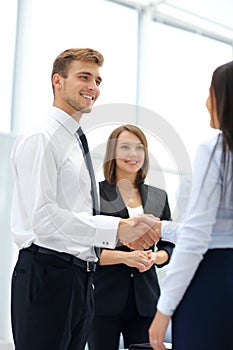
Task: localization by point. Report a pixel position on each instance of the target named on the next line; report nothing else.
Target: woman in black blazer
(126, 284)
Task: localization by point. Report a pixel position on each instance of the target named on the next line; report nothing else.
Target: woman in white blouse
(197, 291)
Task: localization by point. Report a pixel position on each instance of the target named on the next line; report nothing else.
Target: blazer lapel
(146, 201)
(110, 193)
(152, 200)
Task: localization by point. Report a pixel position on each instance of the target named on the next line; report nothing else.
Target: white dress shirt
(52, 203)
(208, 224)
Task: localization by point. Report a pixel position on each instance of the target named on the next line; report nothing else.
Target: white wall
(7, 248)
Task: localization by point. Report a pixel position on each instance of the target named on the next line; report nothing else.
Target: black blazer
(112, 282)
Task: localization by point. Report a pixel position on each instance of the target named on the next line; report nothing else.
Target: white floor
(6, 345)
(167, 339)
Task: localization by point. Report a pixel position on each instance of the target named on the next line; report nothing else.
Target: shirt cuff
(106, 231)
(169, 231)
(165, 305)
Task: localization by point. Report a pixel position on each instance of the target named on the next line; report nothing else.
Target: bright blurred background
(159, 58)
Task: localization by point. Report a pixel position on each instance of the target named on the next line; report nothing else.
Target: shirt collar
(63, 118)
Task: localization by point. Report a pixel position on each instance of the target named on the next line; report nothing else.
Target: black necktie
(89, 165)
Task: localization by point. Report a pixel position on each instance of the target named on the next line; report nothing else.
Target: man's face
(77, 93)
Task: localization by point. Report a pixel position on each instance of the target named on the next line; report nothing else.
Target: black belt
(89, 266)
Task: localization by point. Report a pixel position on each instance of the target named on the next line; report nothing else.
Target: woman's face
(130, 154)
(212, 109)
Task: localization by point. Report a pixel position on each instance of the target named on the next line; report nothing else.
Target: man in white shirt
(52, 217)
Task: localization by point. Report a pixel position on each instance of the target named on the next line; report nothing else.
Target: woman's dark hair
(110, 154)
(221, 96)
(221, 89)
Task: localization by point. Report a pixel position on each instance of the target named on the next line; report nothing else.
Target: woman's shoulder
(106, 189)
(154, 190)
(105, 183)
(211, 143)
(209, 149)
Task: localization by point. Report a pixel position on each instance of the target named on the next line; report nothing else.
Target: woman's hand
(138, 258)
(152, 256)
(157, 330)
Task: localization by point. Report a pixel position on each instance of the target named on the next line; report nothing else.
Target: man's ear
(56, 81)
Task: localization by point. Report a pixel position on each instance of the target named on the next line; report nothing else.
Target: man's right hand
(144, 242)
(140, 231)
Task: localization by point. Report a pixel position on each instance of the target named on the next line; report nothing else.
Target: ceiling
(217, 11)
(213, 15)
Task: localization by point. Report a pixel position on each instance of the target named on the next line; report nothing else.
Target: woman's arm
(165, 250)
(162, 257)
(137, 258)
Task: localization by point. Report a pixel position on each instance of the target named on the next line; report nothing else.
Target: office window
(177, 78)
(177, 70)
(56, 25)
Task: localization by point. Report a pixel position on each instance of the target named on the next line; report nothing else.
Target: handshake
(139, 232)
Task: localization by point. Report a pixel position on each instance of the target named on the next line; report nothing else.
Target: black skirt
(203, 319)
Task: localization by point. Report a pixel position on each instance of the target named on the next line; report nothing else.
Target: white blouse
(135, 211)
(207, 224)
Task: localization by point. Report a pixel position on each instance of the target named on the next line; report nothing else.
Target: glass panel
(177, 75)
(176, 78)
(56, 25)
(220, 13)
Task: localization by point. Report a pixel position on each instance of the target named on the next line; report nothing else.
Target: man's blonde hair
(63, 61)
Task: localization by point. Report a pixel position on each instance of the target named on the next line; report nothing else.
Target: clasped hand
(142, 260)
(139, 232)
